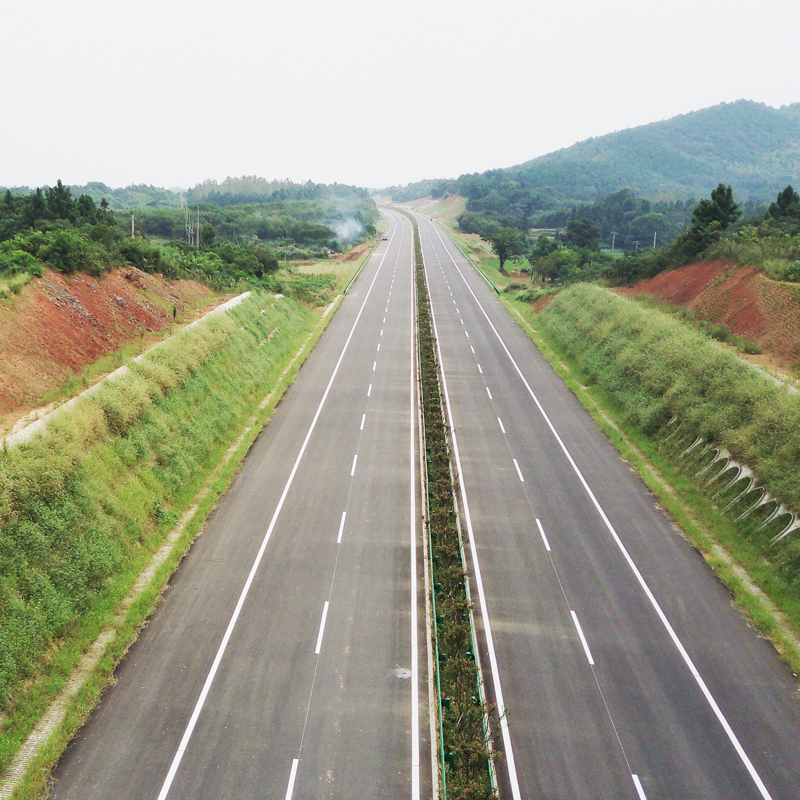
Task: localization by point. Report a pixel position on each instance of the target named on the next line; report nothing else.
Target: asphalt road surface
(283, 661)
(623, 669)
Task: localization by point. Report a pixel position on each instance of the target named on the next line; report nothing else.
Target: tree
(506, 243)
(60, 203)
(720, 208)
(581, 232)
(787, 204)
(709, 219)
(207, 235)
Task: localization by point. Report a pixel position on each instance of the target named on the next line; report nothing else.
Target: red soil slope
(749, 303)
(60, 324)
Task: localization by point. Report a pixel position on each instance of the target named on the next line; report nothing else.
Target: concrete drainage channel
(466, 765)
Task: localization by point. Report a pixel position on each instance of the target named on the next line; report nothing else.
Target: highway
(621, 665)
(288, 657)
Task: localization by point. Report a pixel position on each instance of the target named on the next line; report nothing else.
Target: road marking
(489, 393)
(461, 321)
(734, 740)
(363, 418)
(382, 329)
(374, 364)
(379, 348)
(501, 426)
(384, 320)
(292, 776)
(638, 785)
(385, 310)
(519, 471)
(544, 538)
(198, 708)
(582, 637)
(479, 369)
(473, 349)
(467, 332)
(321, 628)
(457, 311)
(494, 669)
(353, 470)
(369, 390)
(341, 528)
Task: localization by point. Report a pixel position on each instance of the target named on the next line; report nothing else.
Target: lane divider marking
(582, 638)
(544, 538)
(489, 393)
(292, 776)
(369, 390)
(501, 426)
(322, 626)
(519, 471)
(638, 785)
(363, 420)
(341, 528)
(353, 470)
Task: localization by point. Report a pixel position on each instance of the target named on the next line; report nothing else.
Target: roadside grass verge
(763, 576)
(84, 506)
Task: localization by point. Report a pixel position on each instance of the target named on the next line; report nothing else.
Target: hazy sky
(169, 92)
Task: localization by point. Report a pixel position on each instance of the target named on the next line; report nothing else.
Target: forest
(233, 233)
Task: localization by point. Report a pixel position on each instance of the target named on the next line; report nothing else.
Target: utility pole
(655, 234)
(198, 227)
(132, 227)
(613, 239)
(637, 246)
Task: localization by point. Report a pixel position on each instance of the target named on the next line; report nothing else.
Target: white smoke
(348, 230)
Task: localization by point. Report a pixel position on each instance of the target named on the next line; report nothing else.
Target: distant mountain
(752, 146)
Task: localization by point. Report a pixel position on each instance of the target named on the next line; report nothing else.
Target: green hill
(751, 146)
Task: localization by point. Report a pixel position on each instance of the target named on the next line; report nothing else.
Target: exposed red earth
(744, 299)
(59, 324)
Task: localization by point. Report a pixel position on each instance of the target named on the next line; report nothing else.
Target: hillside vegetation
(750, 145)
(85, 504)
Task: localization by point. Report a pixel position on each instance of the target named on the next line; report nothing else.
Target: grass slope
(84, 506)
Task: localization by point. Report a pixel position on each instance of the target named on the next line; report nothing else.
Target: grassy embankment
(84, 506)
(462, 712)
(657, 386)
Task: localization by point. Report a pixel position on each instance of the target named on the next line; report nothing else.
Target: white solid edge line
(498, 689)
(318, 646)
(519, 471)
(582, 637)
(544, 538)
(501, 426)
(292, 776)
(187, 734)
(734, 740)
(341, 528)
(637, 783)
(415, 734)
(353, 469)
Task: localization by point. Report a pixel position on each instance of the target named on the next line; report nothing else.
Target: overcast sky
(169, 92)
